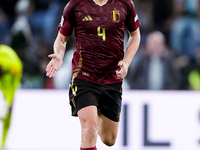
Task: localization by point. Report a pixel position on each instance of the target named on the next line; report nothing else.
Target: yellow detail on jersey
(103, 33)
(87, 18)
(78, 68)
(116, 16)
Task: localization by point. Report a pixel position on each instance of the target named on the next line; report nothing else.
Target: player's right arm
(65, 29)
(58, 55)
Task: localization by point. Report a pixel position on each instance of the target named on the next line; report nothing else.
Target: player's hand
(54, 64)
(123, 69)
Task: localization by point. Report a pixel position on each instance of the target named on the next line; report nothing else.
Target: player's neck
(100, 2)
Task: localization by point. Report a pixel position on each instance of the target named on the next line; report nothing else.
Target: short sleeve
(132, 20)
(66, 25)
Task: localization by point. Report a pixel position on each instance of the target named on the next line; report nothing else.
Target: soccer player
(98, 65)
(10, 78)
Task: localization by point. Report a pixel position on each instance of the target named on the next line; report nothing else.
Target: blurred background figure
(155, 69)
(43, 21)
(184, 36)
(185, 28)
(22, 41)
(194, 75)
(10, 78)
(7, 18)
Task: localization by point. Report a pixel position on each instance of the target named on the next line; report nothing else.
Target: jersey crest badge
(115, 16)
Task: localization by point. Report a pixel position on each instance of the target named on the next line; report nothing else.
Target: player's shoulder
(74, 2)
(71, 4)
(127, 2)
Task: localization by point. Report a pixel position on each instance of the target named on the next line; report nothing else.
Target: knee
(109, 140)
(90, 130)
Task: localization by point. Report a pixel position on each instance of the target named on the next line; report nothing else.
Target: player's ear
(1, 71)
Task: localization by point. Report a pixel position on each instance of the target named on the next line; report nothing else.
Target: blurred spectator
(162, 16)
(154, 15)
(162, 11)
(43, 22)
(45, 18)
(29, 27)
(7, 17)
(145, 13)
(8, 8)
(185, 29)
(194, 76)
(24, 44)
(3, 26)
(155, 70)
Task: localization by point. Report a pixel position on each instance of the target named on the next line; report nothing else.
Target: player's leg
(84, 103)
(107, 130)
(6, 125)
(109, 112)
(89, 119)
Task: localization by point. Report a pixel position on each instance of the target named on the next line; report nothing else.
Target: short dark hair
(1, 71)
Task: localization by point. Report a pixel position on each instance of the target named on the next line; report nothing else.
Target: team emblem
(115, 15)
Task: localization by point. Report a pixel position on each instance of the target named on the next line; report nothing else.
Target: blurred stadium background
(153, 117)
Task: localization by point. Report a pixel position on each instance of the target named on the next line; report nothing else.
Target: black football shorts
(107, 97)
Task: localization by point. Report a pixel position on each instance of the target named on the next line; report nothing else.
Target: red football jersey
(99, 32)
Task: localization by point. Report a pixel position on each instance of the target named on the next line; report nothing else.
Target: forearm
(57, 58)
(133, 44)
(60, 45)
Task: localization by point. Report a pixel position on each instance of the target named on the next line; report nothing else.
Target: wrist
(126, 62)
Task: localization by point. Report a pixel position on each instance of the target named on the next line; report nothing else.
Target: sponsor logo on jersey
(115, 15)
(87, 18)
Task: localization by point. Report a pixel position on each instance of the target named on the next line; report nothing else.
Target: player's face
(1, 71)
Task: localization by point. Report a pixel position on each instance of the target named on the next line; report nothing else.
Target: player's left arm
(133, 44)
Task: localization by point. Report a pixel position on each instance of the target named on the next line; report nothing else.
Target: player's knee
(90, 131)
(109, 140)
